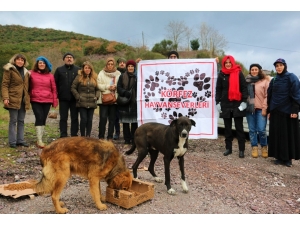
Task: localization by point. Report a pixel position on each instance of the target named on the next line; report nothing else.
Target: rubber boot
(39, 134)
(264, 151)
(254, 152)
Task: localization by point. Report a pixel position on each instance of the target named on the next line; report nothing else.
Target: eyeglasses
(110, 64)
(69, 57)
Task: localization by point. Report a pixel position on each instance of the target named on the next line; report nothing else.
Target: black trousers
(240, 135)
(128, 132)
(117, 123)
(107, 112)
(64, 107)
(86, 121)
(41, 111)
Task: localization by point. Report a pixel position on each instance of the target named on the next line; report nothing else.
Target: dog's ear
(173, 123)
(193, 122)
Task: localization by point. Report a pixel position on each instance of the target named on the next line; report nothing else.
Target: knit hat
(121, 60)
(255, 65)
(68, 53)
(173, 52)
(280, 60)
(46, 61)
(131, 62)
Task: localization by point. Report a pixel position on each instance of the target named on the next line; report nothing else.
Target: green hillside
(51, 43)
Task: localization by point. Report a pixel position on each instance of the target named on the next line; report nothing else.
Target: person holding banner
(231, 100)
(173, 55)
(127, 86)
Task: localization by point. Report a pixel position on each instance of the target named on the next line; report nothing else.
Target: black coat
(64, 77)
(125, 82)
(227, 106)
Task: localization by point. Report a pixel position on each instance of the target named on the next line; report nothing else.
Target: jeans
(107, 112)
(86, 121)
(16, 120)
(257, 126)
(41, 111)
(64, 107)
(240, 135)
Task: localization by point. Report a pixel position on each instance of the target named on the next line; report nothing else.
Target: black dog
(171, 140)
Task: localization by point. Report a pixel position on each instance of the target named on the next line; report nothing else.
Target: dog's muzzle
(184, 134)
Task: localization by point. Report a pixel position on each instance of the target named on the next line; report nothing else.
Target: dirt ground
(217, 184)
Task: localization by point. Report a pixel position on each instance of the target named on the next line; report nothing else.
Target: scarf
(234, 79)
(113, 69)
(251, 80)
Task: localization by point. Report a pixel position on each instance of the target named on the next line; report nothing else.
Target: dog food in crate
(139, 192)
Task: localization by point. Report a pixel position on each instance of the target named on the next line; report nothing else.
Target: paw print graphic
(148, 95)
(183, 81)
(171, 81)
(201, 82)
(192, 112)
(157, 109)
(152, 83)
(174, 116)
(201, 99)
(164, 115)
(208, 94)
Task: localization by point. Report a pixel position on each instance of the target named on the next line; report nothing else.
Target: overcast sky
(252, 36)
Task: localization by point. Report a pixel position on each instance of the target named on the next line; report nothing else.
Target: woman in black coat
(283, 108)
(231, 98)
(128, 113)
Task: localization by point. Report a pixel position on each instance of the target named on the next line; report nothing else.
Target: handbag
(124, 100)
(110, 98)
(52, 114)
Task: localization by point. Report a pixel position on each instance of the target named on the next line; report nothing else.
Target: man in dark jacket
(64, 77)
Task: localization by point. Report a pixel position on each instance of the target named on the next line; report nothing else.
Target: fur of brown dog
(90, 158)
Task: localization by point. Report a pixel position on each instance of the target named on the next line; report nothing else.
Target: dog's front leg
(181, 166)
(95, 192)
(171, 191)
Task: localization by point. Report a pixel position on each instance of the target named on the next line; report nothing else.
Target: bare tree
(176, 31)
(211, 40)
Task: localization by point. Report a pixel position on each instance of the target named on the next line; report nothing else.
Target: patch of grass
(4, 119)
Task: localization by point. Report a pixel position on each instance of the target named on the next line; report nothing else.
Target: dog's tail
(131, 150)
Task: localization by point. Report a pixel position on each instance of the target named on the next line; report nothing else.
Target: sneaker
(288, 163)
(13, 146)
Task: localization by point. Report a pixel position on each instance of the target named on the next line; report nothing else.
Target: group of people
(79, 90)
(258, 98)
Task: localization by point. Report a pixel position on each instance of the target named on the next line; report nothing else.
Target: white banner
(170, 88)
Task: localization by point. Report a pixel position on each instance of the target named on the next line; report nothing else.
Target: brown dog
(90, 158)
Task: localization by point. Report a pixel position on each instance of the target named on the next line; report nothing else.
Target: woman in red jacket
(42, 95)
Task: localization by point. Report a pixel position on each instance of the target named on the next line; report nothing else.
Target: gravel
(217, 184)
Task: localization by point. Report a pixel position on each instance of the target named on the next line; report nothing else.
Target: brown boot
(254, 151)
(264, 151)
